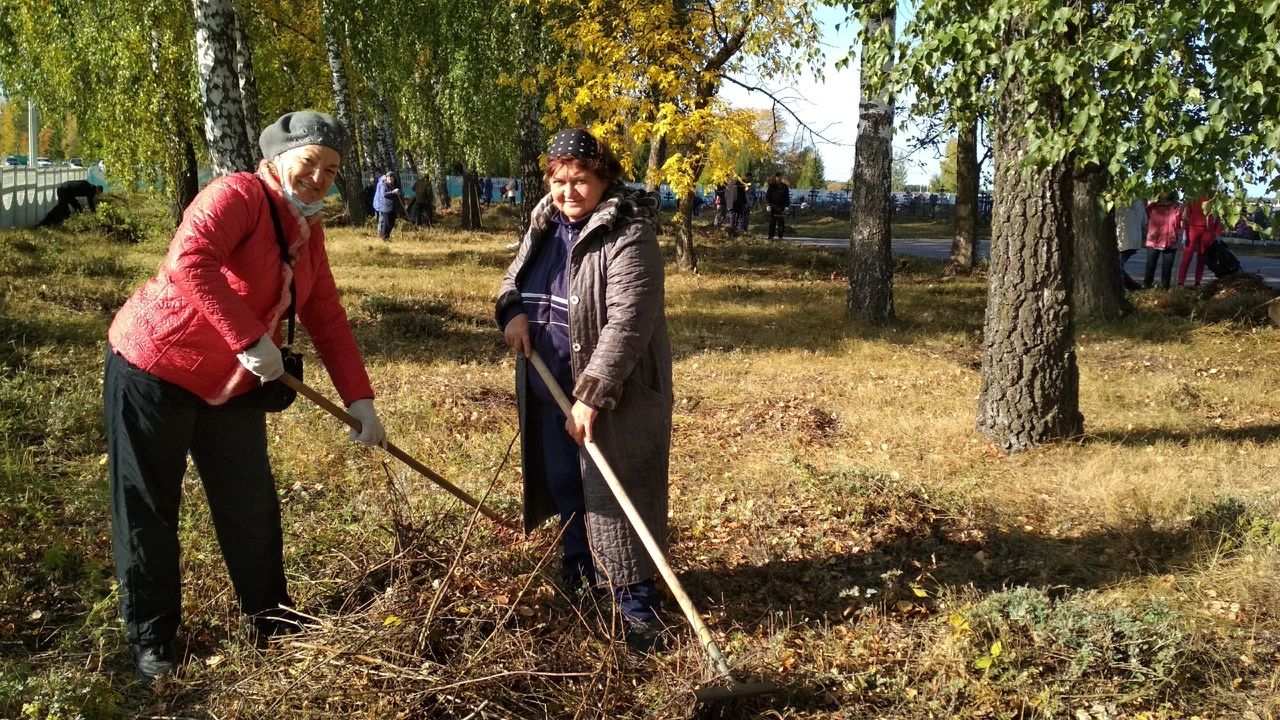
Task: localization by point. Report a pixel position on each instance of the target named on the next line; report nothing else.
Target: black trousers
(151, 427)
(777, 221)
(564, 479)
(1166, 270)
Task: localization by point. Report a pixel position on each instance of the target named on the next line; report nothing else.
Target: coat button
(573, 299)
(577, 347)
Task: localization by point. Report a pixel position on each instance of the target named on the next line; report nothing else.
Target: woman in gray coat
(586, 292)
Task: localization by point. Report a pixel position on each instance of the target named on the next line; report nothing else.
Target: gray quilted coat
(621, 365)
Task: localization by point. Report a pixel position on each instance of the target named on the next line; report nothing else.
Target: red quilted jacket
(223, 285)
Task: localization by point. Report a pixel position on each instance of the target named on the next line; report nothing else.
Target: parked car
(15, 161)
(75, 163)
(44, 162)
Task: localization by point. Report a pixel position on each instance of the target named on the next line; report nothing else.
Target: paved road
(1267, 267)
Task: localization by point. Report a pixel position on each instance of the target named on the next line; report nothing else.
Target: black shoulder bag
(275, 396)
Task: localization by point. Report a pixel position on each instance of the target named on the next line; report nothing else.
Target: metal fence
(28, 194)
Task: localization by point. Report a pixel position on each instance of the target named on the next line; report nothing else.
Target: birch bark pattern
(1030, 380)
(532, 137)
(248, 87)
(352, 188)
(220, 87)
(870, 296)
(964, 247)
(369, 156)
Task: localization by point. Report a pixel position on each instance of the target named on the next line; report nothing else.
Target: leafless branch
(780, 104)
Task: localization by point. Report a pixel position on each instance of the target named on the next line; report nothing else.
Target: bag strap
(284, 251)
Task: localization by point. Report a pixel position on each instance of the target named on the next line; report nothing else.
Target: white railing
(28, 194)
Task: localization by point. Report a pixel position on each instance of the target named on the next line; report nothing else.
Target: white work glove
(263, 359)
(371, 430)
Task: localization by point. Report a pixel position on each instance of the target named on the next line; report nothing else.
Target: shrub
(1023, 634)
(114, 220)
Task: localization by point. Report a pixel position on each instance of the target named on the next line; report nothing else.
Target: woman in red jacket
(185, 350)
(1164, 220)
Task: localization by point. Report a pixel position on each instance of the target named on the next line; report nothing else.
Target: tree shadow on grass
(1261, 434)
(832, 589)
(422, 329)
(823, 588)
(811, 317)
(385, 257)
(899, 537)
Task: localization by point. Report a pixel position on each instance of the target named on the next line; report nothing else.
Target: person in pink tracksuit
(1202, 230)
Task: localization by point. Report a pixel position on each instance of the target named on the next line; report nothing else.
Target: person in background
(422, 208)
(735, 198)
(185, 353)
(386, 202)
(718, 220)
(1202, 230)
(69, 195)
(586, 292)
(778, 198)
(1164, 223)
(1131, 229)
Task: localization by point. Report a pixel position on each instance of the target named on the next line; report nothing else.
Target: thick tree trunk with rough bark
(1097, 285)
(248, 87)
(1030, 380)
(351, 186)
(187, 184)
(964, 247)
(181, 170)
(442, 186)
(470, 200)
(870, 296)
(686, 252)
(224, 123)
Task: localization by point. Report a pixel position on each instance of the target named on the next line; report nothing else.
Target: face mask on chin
(307, 209)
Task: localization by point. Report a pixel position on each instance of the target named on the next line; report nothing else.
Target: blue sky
(830, 105)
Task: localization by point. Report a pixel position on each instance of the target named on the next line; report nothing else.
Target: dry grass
(833, 511)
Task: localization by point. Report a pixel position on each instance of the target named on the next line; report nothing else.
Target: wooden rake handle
(338, 412)
(637, 523)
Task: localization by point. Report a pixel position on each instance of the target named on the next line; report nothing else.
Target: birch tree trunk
(1097, 285)
(532, 137)
(384, 136)
(181, 170)
(368, 153)
(248, 87)
(351, 181)
(224, 123)
(964, 247)
(870, 296)
(1030, 379)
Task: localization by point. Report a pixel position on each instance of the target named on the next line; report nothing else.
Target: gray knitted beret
(304, 127)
